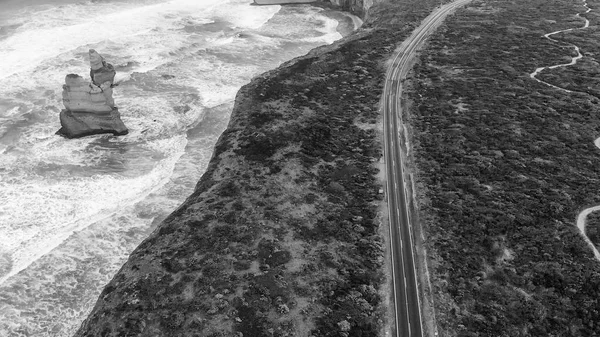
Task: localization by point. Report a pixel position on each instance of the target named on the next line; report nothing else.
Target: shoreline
(332, 33)
(281, 2)
(348, 23)
(281, 234)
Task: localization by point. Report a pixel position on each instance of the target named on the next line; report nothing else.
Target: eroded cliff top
(281, 236)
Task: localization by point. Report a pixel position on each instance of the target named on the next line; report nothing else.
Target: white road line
(392, 113)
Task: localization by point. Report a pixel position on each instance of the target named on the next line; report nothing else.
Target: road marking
(392, 110)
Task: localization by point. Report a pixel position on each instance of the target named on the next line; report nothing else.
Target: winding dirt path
(573, 59)
(582, 217)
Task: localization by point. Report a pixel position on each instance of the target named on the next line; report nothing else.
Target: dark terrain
(282, 236)
(505, 164)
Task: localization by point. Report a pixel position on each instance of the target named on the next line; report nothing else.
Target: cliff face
(281, 236)
(359, 8)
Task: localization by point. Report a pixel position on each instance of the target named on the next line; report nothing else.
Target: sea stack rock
(89, 106)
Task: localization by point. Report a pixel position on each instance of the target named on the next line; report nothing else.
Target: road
(405, 292)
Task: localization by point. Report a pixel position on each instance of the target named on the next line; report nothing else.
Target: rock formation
(89, 106)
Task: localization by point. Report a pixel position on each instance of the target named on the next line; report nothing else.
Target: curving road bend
(573, 59)
(405, 291)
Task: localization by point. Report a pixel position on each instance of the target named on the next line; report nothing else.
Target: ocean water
(72, 210)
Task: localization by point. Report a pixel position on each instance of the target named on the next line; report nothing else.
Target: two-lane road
(404, 275)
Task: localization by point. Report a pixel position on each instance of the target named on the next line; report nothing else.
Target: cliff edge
(281, 236)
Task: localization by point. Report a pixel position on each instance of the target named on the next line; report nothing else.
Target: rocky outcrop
(90, 107)
(100, 71)
(81, 95)
(76, 124)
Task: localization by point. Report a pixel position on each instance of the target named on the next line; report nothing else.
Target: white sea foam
(36, 216)
(146, 31)
(74, 193)
(69, 196)
(68, 208)
(219, 84)
(81, 267)
(244, 17)
(305, 24)
(10, 112)
(328, 30)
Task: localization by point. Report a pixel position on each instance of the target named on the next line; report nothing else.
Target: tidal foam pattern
(72, 210)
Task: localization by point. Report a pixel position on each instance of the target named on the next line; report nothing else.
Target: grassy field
(504, 166)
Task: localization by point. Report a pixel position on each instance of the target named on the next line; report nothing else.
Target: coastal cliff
(359, 8)
(281, 236)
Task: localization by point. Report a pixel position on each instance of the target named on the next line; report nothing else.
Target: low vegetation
(504, 166)
(282, 235)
